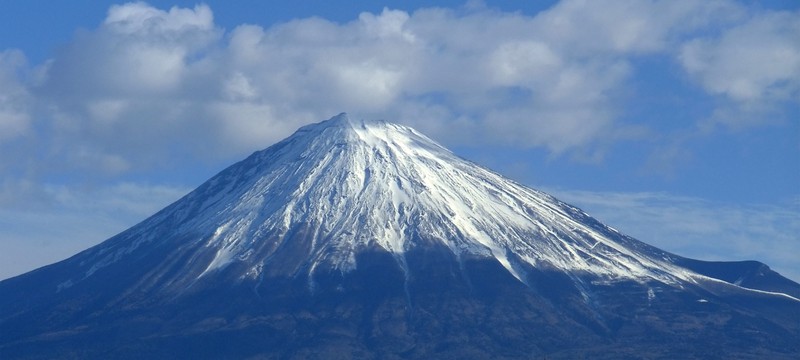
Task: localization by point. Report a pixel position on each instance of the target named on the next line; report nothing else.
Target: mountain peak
(343, 121)
(341, 129)
(339, 121)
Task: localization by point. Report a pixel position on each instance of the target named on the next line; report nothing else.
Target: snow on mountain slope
(340, 187)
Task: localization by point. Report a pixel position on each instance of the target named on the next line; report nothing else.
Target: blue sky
(677, 122)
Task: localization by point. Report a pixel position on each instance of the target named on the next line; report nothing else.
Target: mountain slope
(369, 239)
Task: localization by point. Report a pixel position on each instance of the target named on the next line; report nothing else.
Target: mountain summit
(368, 239)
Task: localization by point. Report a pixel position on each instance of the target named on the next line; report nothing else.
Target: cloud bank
(148, 80)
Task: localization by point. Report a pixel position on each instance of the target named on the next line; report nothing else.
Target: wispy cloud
(15, 100)
(41, 225)
(699, 228)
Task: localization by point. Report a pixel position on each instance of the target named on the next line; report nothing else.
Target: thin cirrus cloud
(689, 225)
(75, 219)
(14, 98)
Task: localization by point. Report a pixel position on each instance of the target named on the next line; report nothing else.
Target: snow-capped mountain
(352, 186)
(347, 225)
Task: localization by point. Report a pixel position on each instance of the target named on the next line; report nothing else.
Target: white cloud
(140, 18)
(139, 52)
(754, 64)
(701, 229)
(760, 58)
(14, 97)
(595, 28)
(146, 71)
(523, 61)
(148, 80)
(389, 24)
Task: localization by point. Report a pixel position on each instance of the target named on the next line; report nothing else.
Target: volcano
(366, 239)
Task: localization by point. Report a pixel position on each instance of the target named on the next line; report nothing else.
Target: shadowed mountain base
(445, 309)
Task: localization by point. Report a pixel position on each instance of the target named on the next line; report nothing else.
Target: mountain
(354, 239)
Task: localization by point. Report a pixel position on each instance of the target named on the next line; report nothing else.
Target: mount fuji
(366, 239)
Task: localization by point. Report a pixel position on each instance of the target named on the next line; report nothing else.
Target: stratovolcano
(368, 239)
